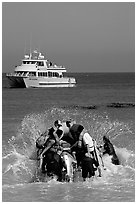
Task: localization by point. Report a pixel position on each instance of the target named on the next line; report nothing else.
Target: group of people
(74, 138)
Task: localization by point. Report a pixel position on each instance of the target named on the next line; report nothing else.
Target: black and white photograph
(68, 101)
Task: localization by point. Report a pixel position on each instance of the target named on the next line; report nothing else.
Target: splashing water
(19, 164)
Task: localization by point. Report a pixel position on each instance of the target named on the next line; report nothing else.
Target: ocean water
(103, 103)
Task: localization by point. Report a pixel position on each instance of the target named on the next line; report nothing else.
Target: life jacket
(88, 142)
(75, 131)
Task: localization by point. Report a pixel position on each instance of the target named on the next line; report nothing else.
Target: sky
(82, 36)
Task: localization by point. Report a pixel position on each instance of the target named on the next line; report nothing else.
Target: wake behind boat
(37, 72)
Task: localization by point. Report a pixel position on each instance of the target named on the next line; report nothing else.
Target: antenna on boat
(30, 45)
(25, 48)
(39, 48)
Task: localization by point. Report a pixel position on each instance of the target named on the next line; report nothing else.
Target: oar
(40, 162)
(102, 162)
(96, 157)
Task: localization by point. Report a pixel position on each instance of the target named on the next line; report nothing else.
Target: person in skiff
(66, 135)
(86, 144)
(70, 134)
(76, 130)
(52, 157)
(41, 141)
(109, 149)
(52, 145)
(70, 130)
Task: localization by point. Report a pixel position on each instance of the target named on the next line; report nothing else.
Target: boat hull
(39, 82)
(16, 82)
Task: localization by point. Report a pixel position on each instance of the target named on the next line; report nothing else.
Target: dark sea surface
(101, 102)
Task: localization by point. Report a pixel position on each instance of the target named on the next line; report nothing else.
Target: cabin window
(47, 64)
(32, 73)
(40, 63)
(49, 74)
(39, 74)
(26, 62)
(42, 74)
(55, 74)
(33, 62)
(45, 74)
(29, 62)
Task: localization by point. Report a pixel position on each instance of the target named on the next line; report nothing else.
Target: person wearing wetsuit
(109, 149)
(75, 131)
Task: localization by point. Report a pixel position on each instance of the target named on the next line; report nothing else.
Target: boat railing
(53, 66)
(17, 74)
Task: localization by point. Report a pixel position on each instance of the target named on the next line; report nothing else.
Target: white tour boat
(37, 72)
